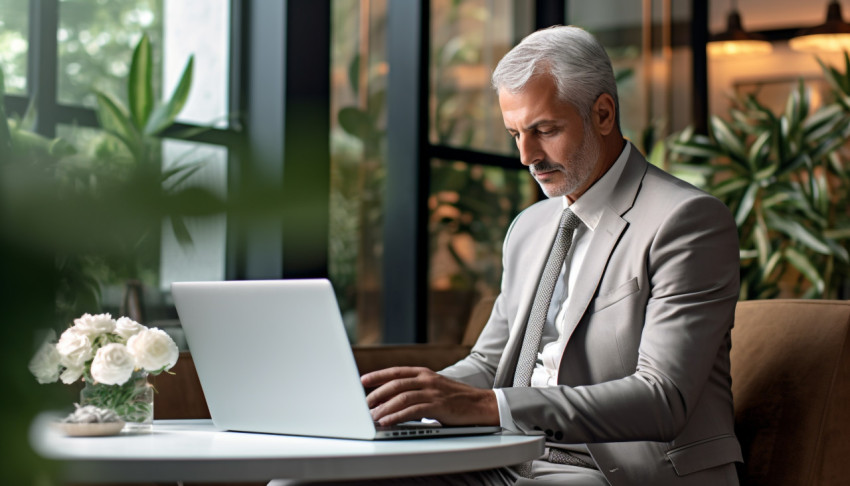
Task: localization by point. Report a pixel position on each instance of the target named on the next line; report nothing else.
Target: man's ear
(605, 114)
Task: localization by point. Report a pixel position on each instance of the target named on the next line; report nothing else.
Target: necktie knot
(569, 220)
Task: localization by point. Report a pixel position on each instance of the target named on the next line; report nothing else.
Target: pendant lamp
(832, 36)
(735, 40)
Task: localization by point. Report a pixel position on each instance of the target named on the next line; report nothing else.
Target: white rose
(127, 328)
(44, 365)
(71, 375)
(94, 325)
(153, 349)
(112, 365)
(74, 348)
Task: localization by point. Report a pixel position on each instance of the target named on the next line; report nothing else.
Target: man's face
(560, 150)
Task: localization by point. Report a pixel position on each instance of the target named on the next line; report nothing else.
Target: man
(630, 380)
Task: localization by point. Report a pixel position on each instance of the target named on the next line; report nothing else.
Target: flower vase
(132, 401)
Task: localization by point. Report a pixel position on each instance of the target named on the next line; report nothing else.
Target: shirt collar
(589, 206)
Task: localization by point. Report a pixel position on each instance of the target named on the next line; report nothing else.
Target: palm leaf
(802, 263)
(114, 119)
(140, 83)
(746, 204)
(799, 233)
(165, 114)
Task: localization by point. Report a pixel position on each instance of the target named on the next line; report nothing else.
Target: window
(14, 32)
(89, 48)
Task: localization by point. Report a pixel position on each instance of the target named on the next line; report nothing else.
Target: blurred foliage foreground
(59, 208)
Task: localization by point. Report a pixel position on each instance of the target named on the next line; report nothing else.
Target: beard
(577, 170)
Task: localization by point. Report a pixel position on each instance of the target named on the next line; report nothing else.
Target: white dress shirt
(588, 207)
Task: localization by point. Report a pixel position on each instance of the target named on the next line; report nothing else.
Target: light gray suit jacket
(644, 380)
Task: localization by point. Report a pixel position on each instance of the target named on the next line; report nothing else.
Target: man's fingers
(411, 405)
(414, 412)
(390, 389)
(378, 378)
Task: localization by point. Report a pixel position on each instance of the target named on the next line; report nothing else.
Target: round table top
(195, 450)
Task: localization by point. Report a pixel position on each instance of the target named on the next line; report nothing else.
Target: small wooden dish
(90, 429)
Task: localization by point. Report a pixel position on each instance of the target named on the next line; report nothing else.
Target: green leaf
(822, 121)
(746, 205)
(798, 232)
(802, 263)
(730, 185)
(837, 233)
(114, 119)
(5, 133)
(354, 74)
(839, 251)
(762, 243)
(181, 232)
(165, 114)
(696, 149)
(771, 264)
(726, 137)
(356, 122)
(747, 254)
(759, 150)
(140, 83)
(183, 173)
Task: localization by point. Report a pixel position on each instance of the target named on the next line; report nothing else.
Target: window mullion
(42, 62)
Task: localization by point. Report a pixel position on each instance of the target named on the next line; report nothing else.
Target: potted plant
(783, 175)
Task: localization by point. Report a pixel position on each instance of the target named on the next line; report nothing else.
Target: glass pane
(204, 258)
(96, 41)
(471, 207)
(200, 28)
(467, 40)
(358, 141)
(13, 44)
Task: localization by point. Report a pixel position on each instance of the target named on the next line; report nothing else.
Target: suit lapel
(604, 239)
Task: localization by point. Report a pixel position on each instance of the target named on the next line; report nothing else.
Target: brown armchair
(791, 385)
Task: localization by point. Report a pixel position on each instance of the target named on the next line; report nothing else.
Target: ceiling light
(834, 35)
(735, 40)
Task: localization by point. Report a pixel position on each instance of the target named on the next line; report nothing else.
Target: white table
(194, 450)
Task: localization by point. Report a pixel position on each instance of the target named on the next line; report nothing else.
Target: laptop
(272, 356)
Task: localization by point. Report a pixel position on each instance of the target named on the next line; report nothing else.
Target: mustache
(543, 166)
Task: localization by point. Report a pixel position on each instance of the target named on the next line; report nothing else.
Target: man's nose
(529, 150)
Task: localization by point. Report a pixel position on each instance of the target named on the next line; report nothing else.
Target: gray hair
(574, 59)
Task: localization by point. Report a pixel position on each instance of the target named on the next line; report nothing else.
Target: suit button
(549, 432)
(559, 435)
(536, 427)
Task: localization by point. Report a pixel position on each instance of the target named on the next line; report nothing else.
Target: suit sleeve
(692, 266)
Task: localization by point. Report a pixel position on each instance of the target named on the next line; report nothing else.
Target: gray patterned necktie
(540, 308)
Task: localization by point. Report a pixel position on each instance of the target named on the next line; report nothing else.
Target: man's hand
(405, 393)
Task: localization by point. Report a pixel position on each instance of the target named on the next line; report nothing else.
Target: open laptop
(273, 356)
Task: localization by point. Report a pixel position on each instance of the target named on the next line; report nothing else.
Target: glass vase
(132, 401)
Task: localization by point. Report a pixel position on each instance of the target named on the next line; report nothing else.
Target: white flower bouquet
(113, 358)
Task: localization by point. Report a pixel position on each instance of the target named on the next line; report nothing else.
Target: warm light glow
(738, 47)
(821, 43)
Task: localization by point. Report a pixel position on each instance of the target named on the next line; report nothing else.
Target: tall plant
(784, 179)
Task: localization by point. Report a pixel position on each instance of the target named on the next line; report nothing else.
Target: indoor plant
(784, 178)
